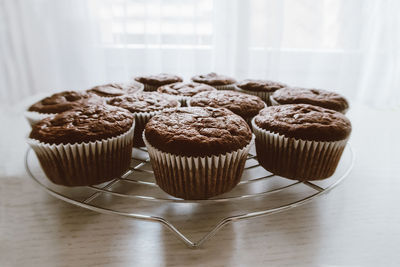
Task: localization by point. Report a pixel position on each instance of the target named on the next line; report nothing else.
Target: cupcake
(244, 105)
(84, 146)
(300, 141)
(152, 82)
(116, 89)
(184, 91)
(143, 106)
(57, 103)
(221, 82)
(261, 88)
(197, 153)
(316, 97)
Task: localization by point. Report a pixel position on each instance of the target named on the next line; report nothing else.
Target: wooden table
(357, 224)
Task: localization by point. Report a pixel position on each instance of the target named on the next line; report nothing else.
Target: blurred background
(349, 46)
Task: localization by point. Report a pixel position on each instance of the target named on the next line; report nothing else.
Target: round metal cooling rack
(136, 195)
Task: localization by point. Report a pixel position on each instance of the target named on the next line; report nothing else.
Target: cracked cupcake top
(303, 121)
(62, 101)
(197, 131)
(159, 79)
(184, 89)
(240, 103)
(213, 79)
(317, 97)
(260, 85)
(83, 124)
(144, 102)
(115, 89)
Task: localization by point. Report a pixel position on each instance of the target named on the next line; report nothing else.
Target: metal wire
(107, 190)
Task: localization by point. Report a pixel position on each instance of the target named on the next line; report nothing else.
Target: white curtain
(347, 46)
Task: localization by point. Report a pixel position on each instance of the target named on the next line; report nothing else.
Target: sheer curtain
(347, 46)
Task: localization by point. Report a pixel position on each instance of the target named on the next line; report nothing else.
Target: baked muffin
(116, 89)
(57, 103)
(197, 153)
(244, 105)
(143, 106)
(152, 82)
(221, 82)
(260, 88)
(84, 146)
(184, 91)
(300, 141)
(316, 97)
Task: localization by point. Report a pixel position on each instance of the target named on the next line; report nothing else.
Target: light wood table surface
(357, 224)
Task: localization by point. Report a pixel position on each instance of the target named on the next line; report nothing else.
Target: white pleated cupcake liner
(295, 158)
(141, 119)
(197, 177)
(265, 96)
(88, 163)
(34, 117)
(225, 87)
(150, 88)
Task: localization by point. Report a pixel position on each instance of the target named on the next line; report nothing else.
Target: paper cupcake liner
(197, 177)
(297, 159)
(34, 117)
(150, 88)
(85, 163)
(225, 87)
(265, 96)
(141, 119)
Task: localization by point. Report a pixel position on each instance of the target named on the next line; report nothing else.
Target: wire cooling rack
(136, 195)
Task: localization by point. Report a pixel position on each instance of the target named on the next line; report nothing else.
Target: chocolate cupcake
(316, 97)
(260, 88)
(244, 105)
(197, 153)
(57, 103)
(143, 106)
(184, 91)
(116, 89)
(221, 82)
(152, 82)
(300, 141)
(84, 146)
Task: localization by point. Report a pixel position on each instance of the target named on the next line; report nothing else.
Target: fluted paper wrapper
(141, 119)
(34, 117)
(150, 88)
(297, 159)
(265, 96)
(197, 177)
(85, 163)
(225, 87)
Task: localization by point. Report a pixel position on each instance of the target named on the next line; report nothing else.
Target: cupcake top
(115, 89)
(196, 131)
(83, 124)
(158, 80)
(144, 102)
(303, 121)
(60, 102)
(213, 79)
(322, 98)
(260, 85)
(184, 89)
(242, 104)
